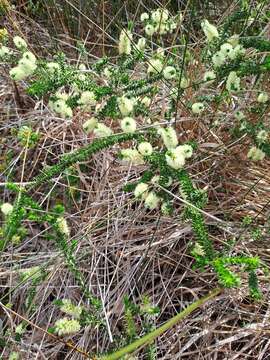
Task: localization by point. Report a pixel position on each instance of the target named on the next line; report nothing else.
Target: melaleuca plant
(134, 101)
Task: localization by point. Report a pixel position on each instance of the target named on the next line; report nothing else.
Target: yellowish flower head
(197, 108)
(124, 45)
(102, 130)
(128, 125)
(175, 159)
(63, 226)
(19, 42)
(125, 105)
(233, 82)
(67, 327)
(255, 154)
(155, 66)
(209, 30)
(70, 309)
(169, 72)
(169, 137)
(141, 190)
(151, 201)
(149, 30)
(133, 156)
(209, 76)
(145, 148)
(262, 98)
(6, 209)
(89, 125)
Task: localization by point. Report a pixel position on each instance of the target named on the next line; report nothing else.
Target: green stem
(79, 155)
(147, 339)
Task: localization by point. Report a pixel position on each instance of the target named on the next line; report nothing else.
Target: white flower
(175, 159)
(87, 98)
(145, 148)
(62, 95)
(226, 49)
(19, 42)
(4, 51)
(63, 226)
(82, 77)
(141, 190)
(27, 66)
(155, 66)
(141, 44)
(209, 76)
(82, 67)
(132, 155)
(156, 15)
(233, 82)
(197, 108)
(186, 150)
(69, 308)
(237, 51)
(124, 45)
(155, 179)
(6, 209)
(17, 73)
(60, 107)
(89, 125)
(209, 30)
(128, 125)
(161, 28)
(255, 154)
(262, 135)
(144, 16)
(160, 15)
(233, 40)
(29, 56)
(151, 201)
(149, 30)
(146, 101)
(169, 137)
(169, 72)
(125, 105)
(20, 329)
(262, 98)
(218, 59)
(66, 327)
(102, 130)
(198, 250)
(184, 83)
(52, 67)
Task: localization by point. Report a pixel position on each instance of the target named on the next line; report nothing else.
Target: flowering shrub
(121, 104)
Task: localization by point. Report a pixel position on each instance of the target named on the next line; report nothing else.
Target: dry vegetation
(122, 249)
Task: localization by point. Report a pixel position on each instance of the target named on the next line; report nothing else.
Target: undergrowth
(134, 106)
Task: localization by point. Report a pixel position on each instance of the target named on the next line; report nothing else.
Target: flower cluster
(66, 326)
(125, 42)
(228, 51)
(6, 209)
(70, 309)
(63, 226)
(26, 65)
(159, 21)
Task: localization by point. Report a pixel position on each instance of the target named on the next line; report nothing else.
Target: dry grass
(124, 249)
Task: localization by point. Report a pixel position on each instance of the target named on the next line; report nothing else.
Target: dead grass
(124, 249)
